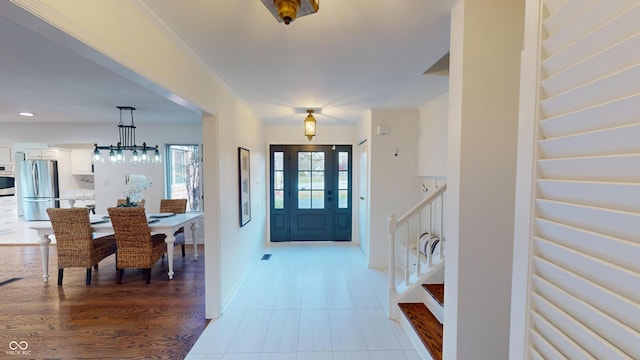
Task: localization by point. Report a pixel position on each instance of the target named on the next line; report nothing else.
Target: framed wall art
(244, 175)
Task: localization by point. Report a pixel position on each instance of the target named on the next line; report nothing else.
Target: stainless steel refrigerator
(39, 188)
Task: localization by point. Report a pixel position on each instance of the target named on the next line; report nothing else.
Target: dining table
(163, 223)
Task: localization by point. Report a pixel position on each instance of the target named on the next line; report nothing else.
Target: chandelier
(287, 10)
(127, 142)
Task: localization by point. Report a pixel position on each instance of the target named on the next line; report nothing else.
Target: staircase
(427, 327)
(416, 273)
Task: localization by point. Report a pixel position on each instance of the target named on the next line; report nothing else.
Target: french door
(310, 192)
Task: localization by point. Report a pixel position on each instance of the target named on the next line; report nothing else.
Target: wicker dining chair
(124, 201)
(177, 206)
(137, 247)
(75, 244)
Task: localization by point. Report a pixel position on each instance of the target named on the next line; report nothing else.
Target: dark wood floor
(161, 320)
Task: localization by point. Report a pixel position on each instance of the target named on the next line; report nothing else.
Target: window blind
(585, 278)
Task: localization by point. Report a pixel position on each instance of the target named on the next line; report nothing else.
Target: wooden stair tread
(436, 291)
(426, 325)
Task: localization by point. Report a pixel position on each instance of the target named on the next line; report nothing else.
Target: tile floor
(313, 301)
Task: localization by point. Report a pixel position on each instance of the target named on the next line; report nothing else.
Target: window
(343, 179)
(311, 180)
(278, 180)
(183, 175)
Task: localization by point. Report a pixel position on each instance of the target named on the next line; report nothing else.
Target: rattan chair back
(74, 240)
(177, 206)
(137, 247)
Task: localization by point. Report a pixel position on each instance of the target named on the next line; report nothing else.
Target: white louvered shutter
(585, 274)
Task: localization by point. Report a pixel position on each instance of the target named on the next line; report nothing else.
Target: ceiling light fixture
(139, 154)
(288, 10)
(310, 125)
(26, 114)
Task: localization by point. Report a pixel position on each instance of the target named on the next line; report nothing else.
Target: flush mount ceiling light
(127, 142)
(26, 114)
(310, 125)
(288, 10)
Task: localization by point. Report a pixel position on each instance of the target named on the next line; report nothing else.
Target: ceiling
(349, 57)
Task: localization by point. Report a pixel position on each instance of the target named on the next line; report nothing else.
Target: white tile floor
(308, 302)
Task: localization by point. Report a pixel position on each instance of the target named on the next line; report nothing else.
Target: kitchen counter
(72, 199)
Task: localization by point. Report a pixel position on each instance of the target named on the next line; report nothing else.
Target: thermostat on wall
(384, 130)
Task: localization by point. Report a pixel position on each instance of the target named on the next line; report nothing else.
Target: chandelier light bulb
(97, 156)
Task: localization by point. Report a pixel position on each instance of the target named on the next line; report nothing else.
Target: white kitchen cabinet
(41, 154)
(50, 154)
(81, 162)
(6, 154)
(8, 213)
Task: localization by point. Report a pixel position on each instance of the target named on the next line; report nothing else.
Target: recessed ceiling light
(27, 114)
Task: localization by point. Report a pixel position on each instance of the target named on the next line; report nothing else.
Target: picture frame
(244, 185)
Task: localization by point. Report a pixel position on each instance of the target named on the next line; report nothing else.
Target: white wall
(113, 41)
(278, 134)
(483, 117)
(432, 141)
(432, 156)
(393, 186)
(238, 126)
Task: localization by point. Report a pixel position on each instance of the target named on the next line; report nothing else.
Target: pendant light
(127, 142)
(310, 125)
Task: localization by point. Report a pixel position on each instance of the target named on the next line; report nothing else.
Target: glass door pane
(311, 180)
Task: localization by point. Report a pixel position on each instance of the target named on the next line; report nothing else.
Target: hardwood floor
(161, 320)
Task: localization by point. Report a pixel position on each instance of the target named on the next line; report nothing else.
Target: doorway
(363, 207)
(310, 192)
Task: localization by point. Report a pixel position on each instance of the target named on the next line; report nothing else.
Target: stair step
(427, 327)
(436, 291)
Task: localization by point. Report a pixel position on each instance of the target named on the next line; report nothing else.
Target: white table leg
(194, 228)
(44, 255)
(170, 240)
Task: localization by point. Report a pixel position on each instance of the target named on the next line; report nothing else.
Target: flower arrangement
(134, 184)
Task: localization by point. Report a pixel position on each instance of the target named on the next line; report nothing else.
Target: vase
(128, 203)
